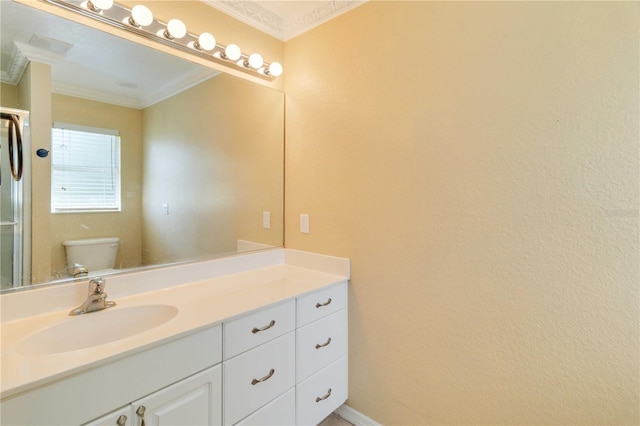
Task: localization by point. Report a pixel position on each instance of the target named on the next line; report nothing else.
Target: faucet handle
(96, 285)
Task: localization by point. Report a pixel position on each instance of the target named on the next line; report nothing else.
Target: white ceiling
(94, 65)
(284, 19)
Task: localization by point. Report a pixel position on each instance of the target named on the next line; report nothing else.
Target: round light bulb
(97, 5)
(275, 69)
(141, 15)
(206, 41)
(255, 60)
(232, 52)
(176, 28)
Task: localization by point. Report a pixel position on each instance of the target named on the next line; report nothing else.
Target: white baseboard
(355, 417)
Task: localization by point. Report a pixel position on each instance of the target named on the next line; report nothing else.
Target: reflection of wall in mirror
(210, 156)
(125, 224)
(34, 90)
(9, 95)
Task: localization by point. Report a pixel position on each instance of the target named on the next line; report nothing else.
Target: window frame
(117, 144)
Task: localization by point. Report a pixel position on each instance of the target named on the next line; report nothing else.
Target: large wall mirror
(201, 152)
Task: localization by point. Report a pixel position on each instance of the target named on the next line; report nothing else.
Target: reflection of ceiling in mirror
(89, 63)
(284, 19)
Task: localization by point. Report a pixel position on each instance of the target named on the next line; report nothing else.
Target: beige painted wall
(9, 96)
(213, 154)
(34, 91)
(478, 162)
(126, 224)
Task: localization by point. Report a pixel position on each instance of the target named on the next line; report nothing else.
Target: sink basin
(96, 328)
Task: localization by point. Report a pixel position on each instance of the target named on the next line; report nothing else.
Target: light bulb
(255, 61)
(275, 69)
(141, 16)
(232, 52)
(175, 29)
(98, 5)
(206, 41)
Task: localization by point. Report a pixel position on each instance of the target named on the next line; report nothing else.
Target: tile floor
(334, 420)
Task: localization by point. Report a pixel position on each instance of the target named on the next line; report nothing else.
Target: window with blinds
(85, 169)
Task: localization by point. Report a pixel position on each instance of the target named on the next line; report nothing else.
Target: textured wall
(214, 154)
(126, 224)
(34, 91)
(478, 162)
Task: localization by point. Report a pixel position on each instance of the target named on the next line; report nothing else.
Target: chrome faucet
(80, 271)
(96, 300)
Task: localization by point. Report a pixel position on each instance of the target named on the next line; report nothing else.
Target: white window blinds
(85, 169)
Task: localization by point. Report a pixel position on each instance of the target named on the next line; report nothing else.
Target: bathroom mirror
(202, 152)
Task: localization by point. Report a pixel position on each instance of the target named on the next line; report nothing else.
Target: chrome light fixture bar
(139, 20)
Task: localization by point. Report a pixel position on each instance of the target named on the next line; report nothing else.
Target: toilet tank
(95, 254)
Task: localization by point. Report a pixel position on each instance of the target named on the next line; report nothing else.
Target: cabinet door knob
(319, 305)
(266, 327)
(122, 420)
(322, 345)
(264, 379)
(140, 412)
(322, 398)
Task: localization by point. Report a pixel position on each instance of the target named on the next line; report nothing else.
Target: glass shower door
(11, 200)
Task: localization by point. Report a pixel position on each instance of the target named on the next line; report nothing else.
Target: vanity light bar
(139, 20)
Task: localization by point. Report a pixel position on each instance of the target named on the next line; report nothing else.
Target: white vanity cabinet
(321, 352)
(259, 364)
(294, 366)
(277, 356)
(122, 417)
(196, 400)
(89, 394)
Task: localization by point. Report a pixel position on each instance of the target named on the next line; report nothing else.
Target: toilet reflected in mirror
(93, 256)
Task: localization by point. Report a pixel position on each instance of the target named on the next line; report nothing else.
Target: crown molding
(18, 63)
(317, 17)
(197, 76)
(95, 95)
(22, 55)
(251, 13)
(192, 79)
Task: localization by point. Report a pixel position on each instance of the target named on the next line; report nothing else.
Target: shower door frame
(21, 206)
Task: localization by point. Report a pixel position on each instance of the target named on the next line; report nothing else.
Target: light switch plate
(304, 223)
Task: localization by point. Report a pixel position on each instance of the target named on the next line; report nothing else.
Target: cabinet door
(121, 417)
(196, 400)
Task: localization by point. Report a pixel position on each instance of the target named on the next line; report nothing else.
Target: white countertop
(200, 304)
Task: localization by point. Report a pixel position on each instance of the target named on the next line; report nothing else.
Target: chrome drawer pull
(140, 412)
(320, 305)
(264, 379)
(322, 398)
(122, 420)
(318, 346)
(266, 327)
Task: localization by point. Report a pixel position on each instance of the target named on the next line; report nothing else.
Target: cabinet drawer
(322, 393)
(256, 377)
(279, 412)
(254, 329)
(321, 303)
(320, 343)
